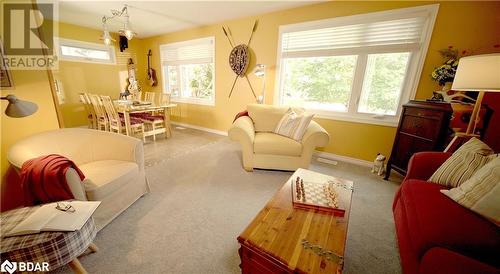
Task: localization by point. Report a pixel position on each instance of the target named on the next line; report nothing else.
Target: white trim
(82, 44)
(195, 101)
(214, 131)
(414, 69)
(340, 158)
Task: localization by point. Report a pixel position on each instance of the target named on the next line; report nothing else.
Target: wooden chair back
(97, 105)
(150, 97)
(163, 99)
(110, 109)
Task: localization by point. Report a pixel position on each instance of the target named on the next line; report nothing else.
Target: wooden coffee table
(283, 239)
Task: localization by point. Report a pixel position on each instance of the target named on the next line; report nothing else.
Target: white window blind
(405, 32)
(196, 51)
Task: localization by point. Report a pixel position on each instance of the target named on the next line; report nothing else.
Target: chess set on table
(328, 197)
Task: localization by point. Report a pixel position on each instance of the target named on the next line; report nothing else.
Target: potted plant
(445, 73)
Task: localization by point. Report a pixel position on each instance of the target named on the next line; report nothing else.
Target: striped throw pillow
(481, 192)
(464, 162)
(294, 124)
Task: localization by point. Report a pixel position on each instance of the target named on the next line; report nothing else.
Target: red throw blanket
(241, 114)
(43, 179)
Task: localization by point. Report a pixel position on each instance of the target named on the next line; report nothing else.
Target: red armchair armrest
(423, 164)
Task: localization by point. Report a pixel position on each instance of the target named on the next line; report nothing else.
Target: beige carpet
(201, 199)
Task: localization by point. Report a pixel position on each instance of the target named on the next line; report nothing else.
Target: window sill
(193, 101)
(388, 121)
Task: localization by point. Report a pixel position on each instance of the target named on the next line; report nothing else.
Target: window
(73, 50)
(357, 68)
(188, 71)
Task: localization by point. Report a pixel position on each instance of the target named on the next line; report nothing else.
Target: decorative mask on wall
(239, 58)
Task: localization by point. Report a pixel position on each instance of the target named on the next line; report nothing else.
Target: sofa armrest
(243, 131)
(423, 164)
(75, 184)
(113, 146)
(440, 260)
(315, 136)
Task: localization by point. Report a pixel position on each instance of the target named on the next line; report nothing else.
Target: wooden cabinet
(423, 127)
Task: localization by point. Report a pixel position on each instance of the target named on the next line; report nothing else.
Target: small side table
(55, 248)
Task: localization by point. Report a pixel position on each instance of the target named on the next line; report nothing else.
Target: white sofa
(261, 148)
(113, 166)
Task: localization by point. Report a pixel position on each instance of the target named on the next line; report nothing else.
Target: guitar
(152, 80)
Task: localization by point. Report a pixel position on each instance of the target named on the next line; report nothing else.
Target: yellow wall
(34, 86)
(78, 77)
(467, 25)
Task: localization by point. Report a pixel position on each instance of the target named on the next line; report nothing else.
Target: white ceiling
(150, 18)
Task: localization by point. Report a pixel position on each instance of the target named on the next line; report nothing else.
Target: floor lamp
(260, 71)
(479, 73)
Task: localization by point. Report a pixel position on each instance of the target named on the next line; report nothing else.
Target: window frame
(165, 80)
(413, 71)
(88, 45)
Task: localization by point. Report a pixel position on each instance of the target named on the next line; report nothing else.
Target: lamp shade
(478, 73)
(19, 108)
(260, 70)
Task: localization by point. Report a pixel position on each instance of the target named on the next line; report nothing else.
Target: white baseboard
(326, 155)
(340, 158)
(215, 131)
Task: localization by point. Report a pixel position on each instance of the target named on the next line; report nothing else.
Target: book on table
(49, 218)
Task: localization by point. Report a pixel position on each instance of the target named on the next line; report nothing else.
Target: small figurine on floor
(378, 164)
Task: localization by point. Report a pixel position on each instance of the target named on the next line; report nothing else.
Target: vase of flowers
(445, 73)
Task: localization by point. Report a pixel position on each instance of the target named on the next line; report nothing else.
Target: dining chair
(117, 122)
(91, 117)
(163, 99)
(150, 97)
(102, 120)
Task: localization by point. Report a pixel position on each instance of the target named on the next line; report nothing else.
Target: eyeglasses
(66, 207)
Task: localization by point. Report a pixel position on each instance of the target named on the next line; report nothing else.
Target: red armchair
(435, 234)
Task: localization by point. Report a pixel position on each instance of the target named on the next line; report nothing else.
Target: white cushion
(464, 162)
(481, 193)
(105, 177)
(293, 124)
(274, 144)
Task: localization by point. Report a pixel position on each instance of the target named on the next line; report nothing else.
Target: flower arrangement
(446, 72)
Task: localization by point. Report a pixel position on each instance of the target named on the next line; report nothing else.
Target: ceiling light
(106, 37)
(125, 31)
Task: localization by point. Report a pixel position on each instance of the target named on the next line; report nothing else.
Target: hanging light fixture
(125, 31)
(106, 37)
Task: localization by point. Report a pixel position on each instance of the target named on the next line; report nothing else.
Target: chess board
(315, 198)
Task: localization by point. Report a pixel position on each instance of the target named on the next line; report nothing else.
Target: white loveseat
(261, 148)
(113, 166)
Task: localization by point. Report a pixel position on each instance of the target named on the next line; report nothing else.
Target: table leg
(93, 248)
(126, 115)
(77, 267)
(168, 127)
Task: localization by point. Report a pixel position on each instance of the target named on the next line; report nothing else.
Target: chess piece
(303, 190)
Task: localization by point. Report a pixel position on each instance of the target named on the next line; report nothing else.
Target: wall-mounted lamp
(19, 108)
(260, 71)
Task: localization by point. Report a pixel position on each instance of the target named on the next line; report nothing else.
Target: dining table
(127, 107)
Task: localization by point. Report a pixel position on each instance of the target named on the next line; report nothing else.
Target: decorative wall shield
(239, 59)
